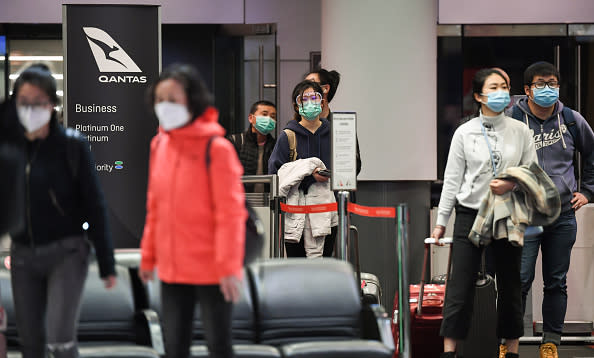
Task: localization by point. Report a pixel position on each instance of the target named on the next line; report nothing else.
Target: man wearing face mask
(558, 133)
(255, 145)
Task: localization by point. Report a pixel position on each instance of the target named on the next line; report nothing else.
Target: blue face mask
(545, 97)
(310, 110)
(497, 101)
(264, 124)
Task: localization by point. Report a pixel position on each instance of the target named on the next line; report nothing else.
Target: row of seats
(289, 308)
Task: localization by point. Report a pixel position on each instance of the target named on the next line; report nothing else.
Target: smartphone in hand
(325, 173)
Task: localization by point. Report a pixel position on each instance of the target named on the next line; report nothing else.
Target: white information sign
(344, 151)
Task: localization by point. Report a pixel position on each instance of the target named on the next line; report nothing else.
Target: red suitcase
(425, 320)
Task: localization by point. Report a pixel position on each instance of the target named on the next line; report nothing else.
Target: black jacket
(246, 145)
(60, 198)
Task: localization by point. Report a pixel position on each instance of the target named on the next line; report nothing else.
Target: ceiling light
(36, 58)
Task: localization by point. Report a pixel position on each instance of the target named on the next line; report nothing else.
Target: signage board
(112, 53)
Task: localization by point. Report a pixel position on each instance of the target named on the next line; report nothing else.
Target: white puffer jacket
(290, 176)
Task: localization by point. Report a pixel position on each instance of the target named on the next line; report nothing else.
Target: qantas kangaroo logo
(109, 55)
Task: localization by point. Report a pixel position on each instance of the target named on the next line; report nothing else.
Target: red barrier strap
(370, 211)
(376, 212)
(309, 209)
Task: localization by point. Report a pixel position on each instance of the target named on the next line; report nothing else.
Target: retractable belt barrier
(369, 211)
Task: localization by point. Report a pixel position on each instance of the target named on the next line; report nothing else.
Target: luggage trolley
(267, 206)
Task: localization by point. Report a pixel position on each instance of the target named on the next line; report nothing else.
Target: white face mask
(33, 118)
(172, 115)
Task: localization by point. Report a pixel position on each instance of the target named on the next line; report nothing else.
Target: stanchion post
(403, 285)
(343, 226)
(278, 237)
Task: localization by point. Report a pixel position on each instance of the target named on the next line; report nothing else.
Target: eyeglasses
(541, 84)
(313, 97)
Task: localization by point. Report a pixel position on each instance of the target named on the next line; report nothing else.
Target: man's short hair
(541, 68)
(254, 107)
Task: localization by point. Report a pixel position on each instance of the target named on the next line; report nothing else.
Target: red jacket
(195, 222)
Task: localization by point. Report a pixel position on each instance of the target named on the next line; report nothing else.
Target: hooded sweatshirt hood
(554, 148)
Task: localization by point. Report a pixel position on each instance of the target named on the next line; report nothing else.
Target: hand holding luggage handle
(428, 242)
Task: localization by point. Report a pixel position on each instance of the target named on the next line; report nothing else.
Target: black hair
(478, 82)
(254, 107)
(198, 95)
(331, 78)
(541, 68)
(298, 91)
(40, 76)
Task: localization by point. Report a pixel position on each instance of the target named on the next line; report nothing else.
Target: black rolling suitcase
(482, 341)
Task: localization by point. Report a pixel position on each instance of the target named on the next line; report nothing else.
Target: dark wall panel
(378, 236)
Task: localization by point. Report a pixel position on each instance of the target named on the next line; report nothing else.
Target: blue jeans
(555, 244)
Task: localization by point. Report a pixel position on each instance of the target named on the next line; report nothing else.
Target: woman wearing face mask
(312, 136)
(329, 81)
(49, 258)
(195, 224)
(481, 148)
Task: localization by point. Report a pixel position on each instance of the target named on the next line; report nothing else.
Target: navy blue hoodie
(555, 147)
(308, 145)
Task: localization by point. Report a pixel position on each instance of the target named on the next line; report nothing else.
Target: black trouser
(466, 259)
(178, 302)
(47, 284)
(297, 249)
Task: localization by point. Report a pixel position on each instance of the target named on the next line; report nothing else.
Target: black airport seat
(244, 331)
(293, 308)
(109, 325)
(312, 308)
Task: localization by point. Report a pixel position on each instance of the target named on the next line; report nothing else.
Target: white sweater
(469, 170)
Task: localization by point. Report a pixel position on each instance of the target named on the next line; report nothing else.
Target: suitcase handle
(442, 241)
(427, 299)
(355, 232)
(428, 242)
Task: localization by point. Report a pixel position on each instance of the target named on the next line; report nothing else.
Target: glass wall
(24, 53)
(463, 50)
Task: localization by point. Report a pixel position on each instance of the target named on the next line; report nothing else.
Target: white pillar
(386, 51)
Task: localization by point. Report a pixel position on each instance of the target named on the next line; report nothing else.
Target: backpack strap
(570, 123)
(292, 144)
(73, 151)
(208, 145)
